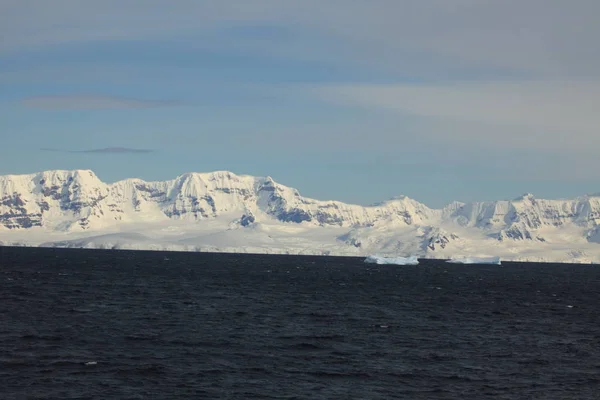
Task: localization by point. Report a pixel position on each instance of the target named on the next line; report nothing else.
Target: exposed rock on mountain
(67, 203)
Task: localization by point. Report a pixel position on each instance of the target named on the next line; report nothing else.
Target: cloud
(90, 102)
(550, 37)
(532, 114)
(495, 74)
(106, 150)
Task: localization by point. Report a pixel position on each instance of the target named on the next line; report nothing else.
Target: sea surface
(89, 324)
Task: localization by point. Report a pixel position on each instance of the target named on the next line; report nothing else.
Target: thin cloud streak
(539, 114)
(91, 102)
(106, 150)
(552, 37)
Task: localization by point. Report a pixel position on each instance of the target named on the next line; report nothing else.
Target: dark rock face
(14, 202)
(267, 186)
(196, 211)
(54, 192)
(44, 206)
(211, 202)
(440, 241)
(193, 205)
(532, 221)
(65, 196)
(152, 192)
(77, 206)
(348, 239)
(515, 233)
(24, 221)
(557, 220)
(247, 219)
(294, 215)
(17, 216)
(406, 217)
(325, 218)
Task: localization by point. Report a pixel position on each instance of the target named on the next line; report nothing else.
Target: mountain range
(222, 211)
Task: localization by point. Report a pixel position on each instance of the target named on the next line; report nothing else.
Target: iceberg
(475, 260)
(413, 260)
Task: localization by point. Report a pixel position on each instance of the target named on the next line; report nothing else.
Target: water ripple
(81, 324)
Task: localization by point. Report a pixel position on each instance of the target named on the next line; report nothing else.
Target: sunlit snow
(224, 212)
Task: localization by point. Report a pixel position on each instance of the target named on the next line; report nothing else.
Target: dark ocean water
(209, 326)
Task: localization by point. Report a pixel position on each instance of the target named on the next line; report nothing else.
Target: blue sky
(359, 101)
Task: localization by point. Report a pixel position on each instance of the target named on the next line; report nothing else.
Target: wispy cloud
(91, 102)
(539, 36)
(529, 114)
(106, 150)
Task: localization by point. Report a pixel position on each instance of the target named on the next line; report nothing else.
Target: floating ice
(475, 260)
(392, 260)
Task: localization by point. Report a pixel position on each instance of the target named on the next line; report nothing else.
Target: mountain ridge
(77, 202)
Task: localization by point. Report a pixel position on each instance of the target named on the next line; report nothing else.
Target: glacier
(391, 260)
(225, 212)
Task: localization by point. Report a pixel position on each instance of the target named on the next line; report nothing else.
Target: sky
(353, 100)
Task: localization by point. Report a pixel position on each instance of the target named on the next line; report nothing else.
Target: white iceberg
(475, 260)
(413, 260)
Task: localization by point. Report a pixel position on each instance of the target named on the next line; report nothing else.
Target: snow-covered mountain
(222, 211)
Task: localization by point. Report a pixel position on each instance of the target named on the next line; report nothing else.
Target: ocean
(92, 324)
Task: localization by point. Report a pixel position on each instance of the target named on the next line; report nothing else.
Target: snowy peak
(78, 200)
(221, 210)
(526, 212)
(27, 200)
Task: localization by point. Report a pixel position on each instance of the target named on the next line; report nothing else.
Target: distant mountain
(222, 211)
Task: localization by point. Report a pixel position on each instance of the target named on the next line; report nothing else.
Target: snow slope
(222, 211)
